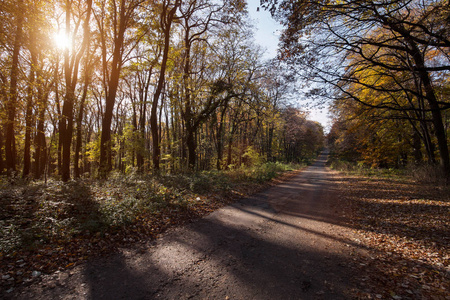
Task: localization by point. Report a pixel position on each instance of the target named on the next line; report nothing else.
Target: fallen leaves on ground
(56, 226)
(405, 225)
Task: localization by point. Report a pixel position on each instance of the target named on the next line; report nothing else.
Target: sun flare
(62, 41)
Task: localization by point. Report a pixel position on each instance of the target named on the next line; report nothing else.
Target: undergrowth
(424, 173)
(362, 170)
(37, 215)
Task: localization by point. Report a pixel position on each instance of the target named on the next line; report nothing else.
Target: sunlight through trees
(89, 87)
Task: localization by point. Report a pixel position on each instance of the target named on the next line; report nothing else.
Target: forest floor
(406, 224)
(317, 234)
(48, 227)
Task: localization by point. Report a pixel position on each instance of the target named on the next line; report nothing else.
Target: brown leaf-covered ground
(406, 225)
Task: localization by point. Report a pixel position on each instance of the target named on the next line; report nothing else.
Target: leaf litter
(46, 228)
(405, 224)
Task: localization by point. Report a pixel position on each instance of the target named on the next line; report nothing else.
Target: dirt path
(284, 243)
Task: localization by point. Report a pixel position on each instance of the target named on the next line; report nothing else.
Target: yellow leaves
(93, 150)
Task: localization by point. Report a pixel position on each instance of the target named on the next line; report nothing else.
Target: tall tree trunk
(175, 127)
(113, 83)
(233, 130)
(2, 164)
(167, 17)
(59, 125)
(168, 139)
(141, 135)
(430, 94)
(220, 141)
(79, 141)
(40, 155)
(4, 99)
(12, 104)
(66, 122)
(29, 118)
(71, 66)
(433, 102)
(191, 145)
(187, 114)
(134, 122)
(417, 145)
(66, 131)
(105, 140)
(219, 148)
(269, 142)
(142, 120)
(429, 145)
(230, 152)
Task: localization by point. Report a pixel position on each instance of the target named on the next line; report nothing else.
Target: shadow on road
(274, 245)
(287, 242)
(221, 262)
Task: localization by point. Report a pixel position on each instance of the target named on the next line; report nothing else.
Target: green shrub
(37, 213)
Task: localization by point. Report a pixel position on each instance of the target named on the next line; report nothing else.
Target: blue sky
(266, 35)
(267, 28)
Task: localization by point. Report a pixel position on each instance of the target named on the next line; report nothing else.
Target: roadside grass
(361, 170)
(424, 173)
(49, 226)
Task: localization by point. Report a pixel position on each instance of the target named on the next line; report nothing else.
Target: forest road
(286, 242)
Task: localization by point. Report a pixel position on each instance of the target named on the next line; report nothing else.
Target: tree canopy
(89, 87)
(391, 58)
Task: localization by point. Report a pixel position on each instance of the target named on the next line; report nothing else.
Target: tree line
(92, 86)
(385, 65)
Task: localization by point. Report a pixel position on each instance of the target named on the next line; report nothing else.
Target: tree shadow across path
(284, 243)
(250, 250)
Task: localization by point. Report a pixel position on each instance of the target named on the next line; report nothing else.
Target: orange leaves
(405, 226)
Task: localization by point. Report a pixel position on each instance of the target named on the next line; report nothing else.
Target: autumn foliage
(385, 67)
(169, 86)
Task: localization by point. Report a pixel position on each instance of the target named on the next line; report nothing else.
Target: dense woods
(89, 87)
(121, 119)
(385, 66)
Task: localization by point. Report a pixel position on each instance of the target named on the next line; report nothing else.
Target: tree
(72, 60)
(166, 18)
(303, 139)
(88, 66)
(113, 23)
(277, 88)
(196, 19)
(236, 60)
(128, 82)
(29, 112)
(369, 135)
(414, 39)
(12, 99)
